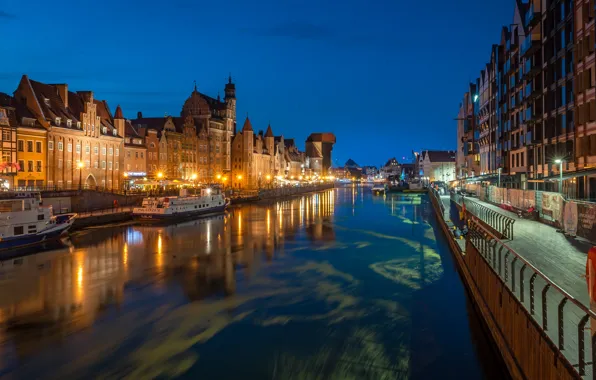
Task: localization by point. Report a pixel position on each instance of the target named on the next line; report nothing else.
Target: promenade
(560, 262)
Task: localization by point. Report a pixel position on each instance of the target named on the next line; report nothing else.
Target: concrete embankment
(123, 214)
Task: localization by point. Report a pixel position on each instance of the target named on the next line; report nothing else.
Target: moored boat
(379, 188)
(160, 209)
(24, 221)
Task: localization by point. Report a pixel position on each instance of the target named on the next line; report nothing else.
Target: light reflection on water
(321, 286)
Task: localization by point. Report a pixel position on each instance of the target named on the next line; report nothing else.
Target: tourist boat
(157, 209)
(24, 221)
(379, 188)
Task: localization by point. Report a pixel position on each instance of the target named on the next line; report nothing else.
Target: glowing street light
(194, 177)
(160, 175)
(218, 176)
(80, 165)
(268, 177)
(560, 162)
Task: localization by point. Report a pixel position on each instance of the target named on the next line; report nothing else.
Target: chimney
(139, 115)
(63, 93)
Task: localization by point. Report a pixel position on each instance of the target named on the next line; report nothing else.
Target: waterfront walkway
(561, 259)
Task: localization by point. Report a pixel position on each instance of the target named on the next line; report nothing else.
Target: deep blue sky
(385, 76)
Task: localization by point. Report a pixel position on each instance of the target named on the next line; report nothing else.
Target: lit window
(69, 147)
(60, 146)
(78, 148)
(117, 152)
(110, 165)
(111, 151)
(105, 130)
(115, 132)
(103, 151)
(57, 121)
(103, 164)
(79, 124)
(95, 150)
(116, 165)
(69, 123)
(87, 149)
(50, 145)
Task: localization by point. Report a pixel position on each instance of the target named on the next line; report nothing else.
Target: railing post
(506, 267)
(532, 279)
(545, 308)
(581, 347)
(521, 283)
(513, 274)
(561, 323)
(500, 258)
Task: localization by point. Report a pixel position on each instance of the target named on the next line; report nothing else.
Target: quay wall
(526, 350)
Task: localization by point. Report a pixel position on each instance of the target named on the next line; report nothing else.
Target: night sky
(385, 76)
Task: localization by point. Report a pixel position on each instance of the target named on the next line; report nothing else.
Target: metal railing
(501, 223)
(114, 210)
(437, 196)
(563, 318)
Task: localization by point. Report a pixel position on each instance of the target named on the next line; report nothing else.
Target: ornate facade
(195, 145)
(84, 141)
(256, 159)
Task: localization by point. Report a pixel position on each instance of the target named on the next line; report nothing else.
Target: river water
(335, 285)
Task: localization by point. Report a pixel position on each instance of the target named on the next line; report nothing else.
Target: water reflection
(314, 287)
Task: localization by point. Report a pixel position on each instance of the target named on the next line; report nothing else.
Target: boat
(160, 209)
(379, 188)
(24, 221)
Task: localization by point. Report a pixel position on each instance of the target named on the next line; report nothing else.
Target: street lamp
(160, 175)
(560, 162)
(268, 177)
(80, 165)
(239, 178)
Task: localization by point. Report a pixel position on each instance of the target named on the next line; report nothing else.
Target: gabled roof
(118, 113)
(439, 155)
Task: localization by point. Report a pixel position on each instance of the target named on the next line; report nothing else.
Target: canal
(335, 285)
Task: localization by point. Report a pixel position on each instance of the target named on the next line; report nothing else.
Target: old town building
(294, 160)
(195, 145)
(84, 141)
(135, 151)
(437, 165)
(8, 144)
(255, 158)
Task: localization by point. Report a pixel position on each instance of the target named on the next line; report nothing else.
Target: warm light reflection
(125, 256)
(268, 221)
(159, 250)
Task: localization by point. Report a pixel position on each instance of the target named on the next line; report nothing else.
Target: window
(128, 154)
(141, 154)
(29, 146)
(79, 124)
(111, 151)
(69, 147)
(114, 132)
(95, 150)
(38, 166)
(50, 145)
(21, 165)
(60, 146)
(38, 146)
(96, 164)
(103, 164)
(136, 154)
(110, 165)
(78, 148)
(21, 146)
(6, 135)
(105, 130)
(58, 121)
(93, 128)
(117, 152)
(87, 149)
(103, 151)
(116, 165)
(18, 230)
(69, 123)
(59, 164)
(29, 166)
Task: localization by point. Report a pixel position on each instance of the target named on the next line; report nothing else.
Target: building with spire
(195, 145)
(256, 158)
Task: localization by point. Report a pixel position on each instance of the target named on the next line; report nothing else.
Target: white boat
(25, 221)
(415, 185)
(158, 209)
(379, 188)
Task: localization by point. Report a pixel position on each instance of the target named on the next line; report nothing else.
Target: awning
(573, 174)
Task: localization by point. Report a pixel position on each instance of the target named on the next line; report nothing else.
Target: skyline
(294, 65)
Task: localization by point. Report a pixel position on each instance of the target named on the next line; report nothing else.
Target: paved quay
(560, 259)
